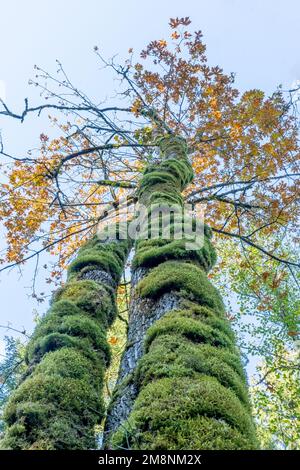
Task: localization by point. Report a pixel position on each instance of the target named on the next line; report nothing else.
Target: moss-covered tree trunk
(181, 383)
(59, 401)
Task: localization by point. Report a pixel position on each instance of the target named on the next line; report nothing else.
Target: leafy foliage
(11, 369)
(276, 401)
(243, 149)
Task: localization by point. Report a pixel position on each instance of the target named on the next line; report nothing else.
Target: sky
(257, 40)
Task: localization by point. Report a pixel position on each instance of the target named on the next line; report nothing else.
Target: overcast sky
(256, 39)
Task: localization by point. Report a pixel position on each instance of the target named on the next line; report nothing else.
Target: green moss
(190, 329)
(55, 392)
(57, 432)
(152, 424)
(173, 171)
(90, 297)
(108, 256)
(165, 194)
(75, 325)
(64, 389)
(205, 315)
(117, 250)
(181, 169)
(175, 276)
(71, 362)
(105, 260)
(192, 389)
(171, 144)
(150, 253)
(54, 341)
(198, 433)
(59, 401)
(222, 355)
(32, 414)
(74, 437)
(16, 430)
(63, 308)
(182, 358)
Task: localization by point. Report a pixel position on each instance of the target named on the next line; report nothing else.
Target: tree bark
(181, 383)
(60, 399)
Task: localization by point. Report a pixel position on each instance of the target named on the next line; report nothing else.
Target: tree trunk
(59, 401)
(181, 383)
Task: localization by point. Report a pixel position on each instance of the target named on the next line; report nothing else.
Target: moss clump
(89, 296)
(174, 172)
(63, 308)
(171, 145)
(205, 315)
(150, 253)
(174, 322)
(43, 402)
(175, 276)
(105, 260)
(199, 433)
(155, 177)
(69, 393)
(223, 355)
(181, 169)
(164, 194)
(54, 333)
(175, 356)
(52, 342)
(179, 407)
(109, 257)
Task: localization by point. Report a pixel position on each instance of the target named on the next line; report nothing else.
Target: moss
(181, 169)
(58, 432)
(75, 325)
(16, 430)
(174, 341)
(69, 394)
(165, 194)
(75, 438)
(54, 341)
(176, 276)
(63, 308)
(154, 176)
(105, 260)
(150, 253)
(152, 424)
(32, 414)
(199, 433)
(109, 256)
(167, 358)
(71, 362)
(190, 329)
(171, 144)
(59, 401)
(177, 173)
(117, 249)
(191, 386)
(205, 315)
(90, 297)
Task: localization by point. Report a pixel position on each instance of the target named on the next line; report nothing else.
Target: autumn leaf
(113, 340)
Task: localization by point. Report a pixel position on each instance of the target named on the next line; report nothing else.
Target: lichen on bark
(59, 400)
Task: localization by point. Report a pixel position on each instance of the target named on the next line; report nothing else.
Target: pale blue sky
(256, 39)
